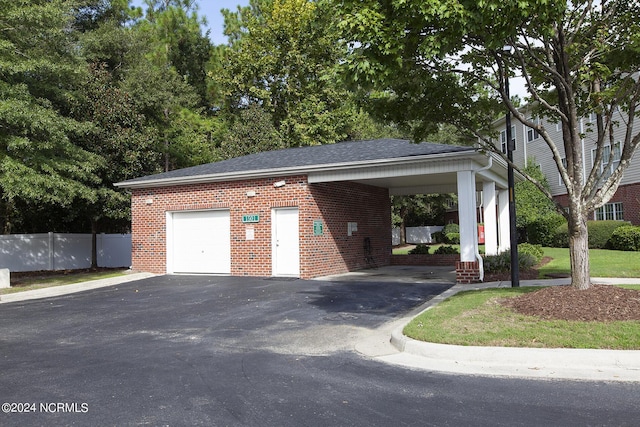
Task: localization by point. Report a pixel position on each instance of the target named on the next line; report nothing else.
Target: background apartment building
(530, 146)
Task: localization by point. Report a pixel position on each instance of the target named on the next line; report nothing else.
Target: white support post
(467, 216)
(503, 221)
(490, 220)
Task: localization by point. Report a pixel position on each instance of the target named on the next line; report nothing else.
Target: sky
(210, 9)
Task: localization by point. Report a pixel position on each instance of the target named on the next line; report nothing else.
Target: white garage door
(200, 242)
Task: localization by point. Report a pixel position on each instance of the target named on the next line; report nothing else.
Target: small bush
(452, 238)
(451, 228)
(561, 237)
(599, 234)
(446, 250)
(601, 231)
(502, 262)
(534, 250)
(497, 263)
(542, 230)
(451, 234)
(437, 237)
(625, 238)
(420, 249)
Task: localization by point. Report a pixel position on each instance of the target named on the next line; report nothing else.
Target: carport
(305, 212)
(462, 172)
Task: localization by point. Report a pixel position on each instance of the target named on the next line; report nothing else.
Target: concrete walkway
(388, 344)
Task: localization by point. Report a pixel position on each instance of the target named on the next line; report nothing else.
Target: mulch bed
(598, 303)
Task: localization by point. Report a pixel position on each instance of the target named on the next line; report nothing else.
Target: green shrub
(534, 250)
(420, 249)
(561, 237)
(601, 231)
(599, 234)
(451, 234)
(497, 263)
(541, 231)
(437, 237)
(625, 238)
(502, 262)
(446, 250)
(451, 228)
(452, 238)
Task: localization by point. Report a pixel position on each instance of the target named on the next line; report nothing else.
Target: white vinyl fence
(55, 251)
(415, 235)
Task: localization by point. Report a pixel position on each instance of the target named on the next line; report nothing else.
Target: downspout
(475, 237)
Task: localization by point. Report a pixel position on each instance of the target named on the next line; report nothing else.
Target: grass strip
(38, 282)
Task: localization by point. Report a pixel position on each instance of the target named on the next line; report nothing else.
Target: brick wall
(335, 204)
(467, 272)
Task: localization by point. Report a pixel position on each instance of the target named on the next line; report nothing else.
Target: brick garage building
(300, 212)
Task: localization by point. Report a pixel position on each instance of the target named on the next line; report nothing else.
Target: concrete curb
(561, 363)
(55, 291)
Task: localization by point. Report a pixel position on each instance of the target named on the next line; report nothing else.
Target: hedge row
(600, 233)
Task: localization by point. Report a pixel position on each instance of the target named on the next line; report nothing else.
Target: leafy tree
(252, 132)
(444, 60)
(177, 39)
(169, 81)
(39, 72)
(536, 215)
(124, 144)
(282, 55)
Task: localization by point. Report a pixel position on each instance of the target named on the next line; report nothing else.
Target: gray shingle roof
(318, 155)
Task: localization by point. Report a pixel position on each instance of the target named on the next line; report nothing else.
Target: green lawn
(476, 318)
(405, 249)
(604, 263)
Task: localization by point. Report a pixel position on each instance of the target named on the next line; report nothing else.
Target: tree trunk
(579, 251)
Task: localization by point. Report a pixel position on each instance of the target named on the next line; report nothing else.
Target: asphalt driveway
(200, 350)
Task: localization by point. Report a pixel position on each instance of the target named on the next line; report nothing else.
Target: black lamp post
(515, 273)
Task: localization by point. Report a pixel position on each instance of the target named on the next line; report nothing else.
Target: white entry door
(285, 242)
(200, 242)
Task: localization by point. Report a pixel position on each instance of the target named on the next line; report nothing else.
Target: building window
(610, 211)
(533, 134)
(606, 155)
(503, 139)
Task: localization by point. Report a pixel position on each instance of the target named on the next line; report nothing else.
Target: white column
(467, 216)
(490, 220)
(503, 221)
